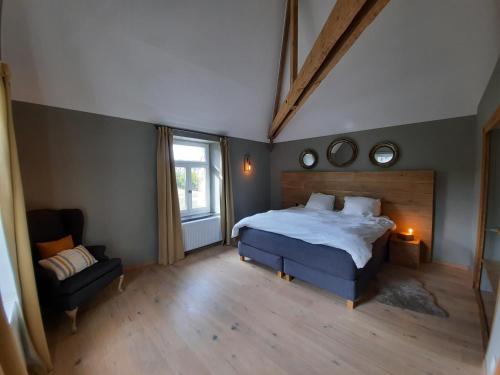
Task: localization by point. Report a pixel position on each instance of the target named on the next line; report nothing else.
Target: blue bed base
(270, 260)
(348, 285)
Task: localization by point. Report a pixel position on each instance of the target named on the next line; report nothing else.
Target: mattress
(353, 233)
(330, 260)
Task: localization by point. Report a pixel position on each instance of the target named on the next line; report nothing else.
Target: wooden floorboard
(213, 314)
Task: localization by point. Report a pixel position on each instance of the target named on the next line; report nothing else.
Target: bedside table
(405, 253)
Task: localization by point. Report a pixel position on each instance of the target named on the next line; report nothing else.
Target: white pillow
(66, 263)
(318, 201)
(362, 206)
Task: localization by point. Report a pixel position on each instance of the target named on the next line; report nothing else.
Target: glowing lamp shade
(247, 165)
(407, 236)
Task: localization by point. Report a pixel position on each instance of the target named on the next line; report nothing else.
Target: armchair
(69, 294)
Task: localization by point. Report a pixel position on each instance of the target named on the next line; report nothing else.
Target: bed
(330, 264)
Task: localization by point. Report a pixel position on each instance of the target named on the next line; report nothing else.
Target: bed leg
(242, 258)
(280, 274)
(289, 277)
(351, 305)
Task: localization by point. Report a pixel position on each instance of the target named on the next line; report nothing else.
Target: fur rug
(409, 294)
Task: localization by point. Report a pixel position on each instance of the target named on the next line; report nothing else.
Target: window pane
(199, 187)
(180, 176)
(8, 290)
(190, 153)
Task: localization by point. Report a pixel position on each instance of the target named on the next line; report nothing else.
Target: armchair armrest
(46, 277)
(97, 251)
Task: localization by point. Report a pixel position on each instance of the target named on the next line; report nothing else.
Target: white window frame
(190, 211)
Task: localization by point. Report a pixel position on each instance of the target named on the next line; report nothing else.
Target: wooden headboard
(407, 196)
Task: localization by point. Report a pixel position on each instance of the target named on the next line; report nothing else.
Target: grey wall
(1, 8)
(250, 191)
(107, 167)
(446, 146)
(104, 165)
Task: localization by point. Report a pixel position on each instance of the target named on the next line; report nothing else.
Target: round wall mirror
(342, 152)
(384, 154)
(308, 158)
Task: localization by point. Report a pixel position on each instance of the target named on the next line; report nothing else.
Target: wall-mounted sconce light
(247, 165)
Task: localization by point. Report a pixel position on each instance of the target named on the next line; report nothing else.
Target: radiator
(198, 233)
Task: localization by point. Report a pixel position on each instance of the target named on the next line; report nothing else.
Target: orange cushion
(51, 248)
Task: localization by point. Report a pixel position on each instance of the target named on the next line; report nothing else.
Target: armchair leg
(120, 284)
(72, 316)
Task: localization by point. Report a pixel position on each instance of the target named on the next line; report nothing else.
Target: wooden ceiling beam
(284, 48)
(347, 20)
(494, 121)
(294, 39)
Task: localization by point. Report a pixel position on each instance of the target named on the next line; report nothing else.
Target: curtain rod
(190, 131)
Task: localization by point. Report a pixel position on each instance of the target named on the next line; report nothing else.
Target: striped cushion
(68, 262)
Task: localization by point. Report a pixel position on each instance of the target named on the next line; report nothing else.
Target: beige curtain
(226, 198)
(170, 245)
(11, 358)
(13, 216)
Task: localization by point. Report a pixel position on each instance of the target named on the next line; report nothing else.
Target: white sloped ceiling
(212, 65)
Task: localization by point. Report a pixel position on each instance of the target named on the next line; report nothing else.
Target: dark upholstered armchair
(69, 294)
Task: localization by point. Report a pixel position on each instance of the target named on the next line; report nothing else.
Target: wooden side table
(405, 253)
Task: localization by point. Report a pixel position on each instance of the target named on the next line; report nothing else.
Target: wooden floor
(213, 314)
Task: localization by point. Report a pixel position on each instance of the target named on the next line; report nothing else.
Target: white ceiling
(212, 65)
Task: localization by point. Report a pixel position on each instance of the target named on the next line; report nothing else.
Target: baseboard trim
(453, 265)
(136, 267)
(204, 247)
(139, 266)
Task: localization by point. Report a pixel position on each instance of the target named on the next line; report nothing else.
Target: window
(192, 172)
(8, 289)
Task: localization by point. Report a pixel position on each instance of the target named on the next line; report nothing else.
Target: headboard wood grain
(407, 196)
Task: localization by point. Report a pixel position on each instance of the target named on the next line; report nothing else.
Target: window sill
(188, 219)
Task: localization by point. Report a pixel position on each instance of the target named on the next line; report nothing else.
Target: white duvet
(354, 234)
